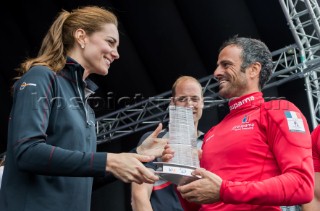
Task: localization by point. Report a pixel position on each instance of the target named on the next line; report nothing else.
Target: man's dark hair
(253, 50)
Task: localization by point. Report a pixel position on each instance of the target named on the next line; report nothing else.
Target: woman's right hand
(128, 167)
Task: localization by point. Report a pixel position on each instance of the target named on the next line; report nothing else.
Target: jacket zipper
(83, 102)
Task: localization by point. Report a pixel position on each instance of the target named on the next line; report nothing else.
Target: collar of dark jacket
(71, 68)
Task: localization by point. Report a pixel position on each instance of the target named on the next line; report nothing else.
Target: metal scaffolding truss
(147, 113)
(303, 20)
(299, 60)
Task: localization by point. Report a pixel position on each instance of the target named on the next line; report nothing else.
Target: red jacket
(262, 151)
(315, 136)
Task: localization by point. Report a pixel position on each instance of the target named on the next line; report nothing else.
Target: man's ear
(255, 70)
(172, 101)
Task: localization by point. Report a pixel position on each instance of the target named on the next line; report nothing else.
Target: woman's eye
(110, 42)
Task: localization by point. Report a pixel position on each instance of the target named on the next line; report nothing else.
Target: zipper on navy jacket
(83, 102)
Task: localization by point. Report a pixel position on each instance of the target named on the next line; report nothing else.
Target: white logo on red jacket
(246, 125)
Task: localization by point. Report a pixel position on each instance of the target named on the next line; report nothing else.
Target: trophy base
(176, 173)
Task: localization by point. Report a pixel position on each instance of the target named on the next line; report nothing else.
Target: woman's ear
(80, 36)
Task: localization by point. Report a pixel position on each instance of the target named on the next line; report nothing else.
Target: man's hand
(199, 154)
(152, 145)
(203, 191)
(128, 167)
(168, 153)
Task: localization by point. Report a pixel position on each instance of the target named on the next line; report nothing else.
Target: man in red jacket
(259, 156)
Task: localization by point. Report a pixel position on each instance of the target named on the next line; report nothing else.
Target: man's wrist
(138, 150)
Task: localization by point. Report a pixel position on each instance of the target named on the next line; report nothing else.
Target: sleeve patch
(295, 121)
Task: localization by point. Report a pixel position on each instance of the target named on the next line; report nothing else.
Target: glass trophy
(183, 140)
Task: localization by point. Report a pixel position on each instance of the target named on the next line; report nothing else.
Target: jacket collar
(73, 68)
(246, 101)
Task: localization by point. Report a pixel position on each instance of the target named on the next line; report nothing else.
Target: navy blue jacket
(51, 152)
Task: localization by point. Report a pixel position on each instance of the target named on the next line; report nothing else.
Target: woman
(51, 153)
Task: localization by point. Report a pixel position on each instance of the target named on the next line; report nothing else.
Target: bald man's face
(189, 94)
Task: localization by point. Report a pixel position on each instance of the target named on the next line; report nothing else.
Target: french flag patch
(295, 122)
